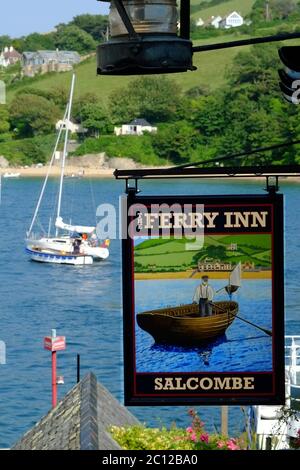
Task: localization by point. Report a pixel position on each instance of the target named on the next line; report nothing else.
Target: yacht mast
(47, 176)
(67, 122)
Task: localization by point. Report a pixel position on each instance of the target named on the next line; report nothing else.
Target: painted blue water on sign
(243, 348)
(84, 303)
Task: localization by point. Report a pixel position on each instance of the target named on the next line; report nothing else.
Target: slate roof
(80, 421)
(140, 122)
(57, 56)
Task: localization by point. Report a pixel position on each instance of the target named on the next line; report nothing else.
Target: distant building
(213, 21)
(48, 61)
(232, 247)
(213, 265)
(73, 127)
(248, 266)
(199, 22)
(9, 56)
(233, 20)
(135, 127)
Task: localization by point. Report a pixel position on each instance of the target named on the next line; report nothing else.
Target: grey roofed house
(80, 421)
(47, 57)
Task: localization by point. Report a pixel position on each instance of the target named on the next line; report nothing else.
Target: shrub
(193, 438)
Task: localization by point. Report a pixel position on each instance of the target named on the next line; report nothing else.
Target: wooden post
(224, 420)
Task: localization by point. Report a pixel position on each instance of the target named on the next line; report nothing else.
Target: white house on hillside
(233, 20)
(213, 21)
(9, 56)
(72, 127)
(135, 127)
(199, 22)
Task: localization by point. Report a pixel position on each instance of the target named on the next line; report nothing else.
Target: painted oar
(268, 332)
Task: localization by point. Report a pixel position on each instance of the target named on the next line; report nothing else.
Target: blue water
(243, 348)
(85, 303)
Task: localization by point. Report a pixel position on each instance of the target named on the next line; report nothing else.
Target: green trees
(95, 25)
(33, 115)
(4, 123)
(95, 118)
(74, 39)
(278, 10)
(156, 99)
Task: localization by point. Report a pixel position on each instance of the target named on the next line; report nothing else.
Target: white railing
(292, 358)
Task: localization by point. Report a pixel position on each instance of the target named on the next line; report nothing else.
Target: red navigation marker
(55, 344)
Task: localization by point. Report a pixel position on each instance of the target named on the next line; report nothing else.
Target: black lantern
(147, 36)
(290, 75)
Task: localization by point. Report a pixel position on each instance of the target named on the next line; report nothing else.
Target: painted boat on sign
(183, 326)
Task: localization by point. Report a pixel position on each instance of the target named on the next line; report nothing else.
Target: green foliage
(59, 96)
(32, 115)
(95, 118)
(4, 119)
(156, 99)
(73, 38)
(95, 25)
(35, 42)
(278, 10)
(27, 151)
(137, 147)
(175, 142)
(193, 438)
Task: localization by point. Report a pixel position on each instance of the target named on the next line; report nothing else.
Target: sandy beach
(55, 172)
(96, 172)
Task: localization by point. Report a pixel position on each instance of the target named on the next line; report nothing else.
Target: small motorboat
(183, 325)
(11, 175)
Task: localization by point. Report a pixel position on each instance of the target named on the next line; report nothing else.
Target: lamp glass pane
(147, 16)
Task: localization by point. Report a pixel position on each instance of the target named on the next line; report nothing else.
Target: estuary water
(84, 303)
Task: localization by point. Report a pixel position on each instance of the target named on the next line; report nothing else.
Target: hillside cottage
(9, 56)
(48, 61)
(73, 127)
(213, 21)
(199, 22)
(209, 265)
(135, 127)
(233, 20)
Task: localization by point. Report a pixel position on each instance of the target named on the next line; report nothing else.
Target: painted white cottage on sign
(233, 20)
(135, 127)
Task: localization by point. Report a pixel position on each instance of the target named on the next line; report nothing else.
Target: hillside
(244, 7)
(171, 255)
(211, 70)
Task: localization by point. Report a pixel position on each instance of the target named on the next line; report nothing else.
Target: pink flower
(189, 430)
(204, 438)
(193, 437)
(220, 445)
(231, 445)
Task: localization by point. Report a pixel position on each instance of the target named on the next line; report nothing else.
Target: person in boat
(94, 240)
(76, 246)
(204, 295)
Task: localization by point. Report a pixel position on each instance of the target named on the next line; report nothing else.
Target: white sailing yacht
(72, 244)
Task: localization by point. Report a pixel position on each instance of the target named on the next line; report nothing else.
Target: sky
(21, 17)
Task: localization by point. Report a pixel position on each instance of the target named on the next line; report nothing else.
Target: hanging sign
(203, 300)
